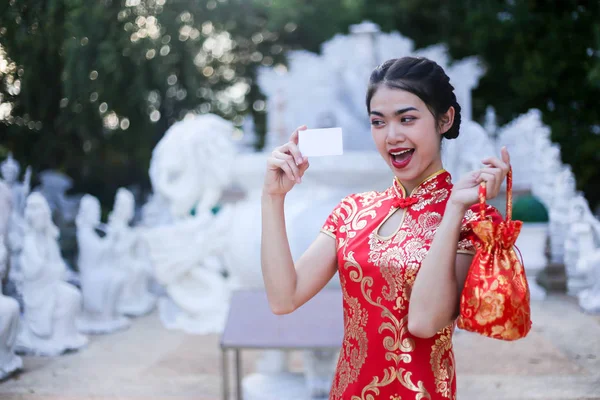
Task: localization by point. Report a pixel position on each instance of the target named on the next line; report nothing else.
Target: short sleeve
(467, 242)
(331, 225)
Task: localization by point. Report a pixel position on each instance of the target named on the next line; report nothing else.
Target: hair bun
(454, 130)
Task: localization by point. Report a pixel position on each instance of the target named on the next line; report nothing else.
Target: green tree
(538, 54)
(101, 82)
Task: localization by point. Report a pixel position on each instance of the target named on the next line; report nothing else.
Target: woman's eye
(407, 119)
(376, 122)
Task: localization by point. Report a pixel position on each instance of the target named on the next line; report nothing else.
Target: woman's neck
(410, 186)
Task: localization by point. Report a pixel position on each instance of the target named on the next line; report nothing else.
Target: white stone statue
(102, 282)
(190, 168)
(156, 211)
(136, 298)
(589, 299)
(247, 143)
(180, 170)
(563, 193)
(582, 240)
(186, 258)
(53, 187)
(491, 121)
(9, 308)
(519, 136)
(51, 305)
(472, 136)
(549, 166)
(10, 170)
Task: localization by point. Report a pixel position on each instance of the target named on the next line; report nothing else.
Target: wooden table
(318, 324)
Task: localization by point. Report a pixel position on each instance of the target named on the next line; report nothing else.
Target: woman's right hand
(285, 167)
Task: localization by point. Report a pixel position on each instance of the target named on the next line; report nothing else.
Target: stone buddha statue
(9, 308)
(582, 239)
(51, 305)
(135, 299)
(102, 282)
(10, 171)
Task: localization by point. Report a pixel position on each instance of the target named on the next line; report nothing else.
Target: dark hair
(423, 78)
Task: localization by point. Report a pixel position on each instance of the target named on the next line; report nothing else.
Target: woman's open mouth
(401, 157)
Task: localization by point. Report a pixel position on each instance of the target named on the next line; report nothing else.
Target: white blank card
(321, 142)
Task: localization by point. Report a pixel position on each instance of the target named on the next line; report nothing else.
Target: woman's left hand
(466, 191)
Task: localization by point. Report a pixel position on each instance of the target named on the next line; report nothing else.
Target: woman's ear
(446, 120)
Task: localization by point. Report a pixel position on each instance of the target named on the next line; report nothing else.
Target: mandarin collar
(433, 182)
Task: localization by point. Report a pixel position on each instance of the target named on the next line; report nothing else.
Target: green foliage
(528, 208)
(538, 54)
(100, 82)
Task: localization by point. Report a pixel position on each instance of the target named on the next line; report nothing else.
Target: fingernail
(298, 161)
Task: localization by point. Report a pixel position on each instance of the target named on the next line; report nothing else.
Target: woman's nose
(395, 134)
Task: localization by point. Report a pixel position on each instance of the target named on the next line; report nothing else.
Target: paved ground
(560, 360)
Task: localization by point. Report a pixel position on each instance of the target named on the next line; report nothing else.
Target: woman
(402, 254)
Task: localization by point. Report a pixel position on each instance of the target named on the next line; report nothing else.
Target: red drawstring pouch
(495, 298)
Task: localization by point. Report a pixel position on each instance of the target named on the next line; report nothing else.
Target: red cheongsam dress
(379, 358)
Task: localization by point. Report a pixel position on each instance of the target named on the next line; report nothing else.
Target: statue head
(581, 213)
(194, 157)
(124, 207)
(326, 119)
(580, 209)
(38, 215)
(89, 212)
(578, 212)
(565, 184)
(10, 169)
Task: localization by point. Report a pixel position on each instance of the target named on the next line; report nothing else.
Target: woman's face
(406, 135)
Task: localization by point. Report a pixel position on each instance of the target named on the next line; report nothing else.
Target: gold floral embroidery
(419, 388)
(398, 328)
(495, 300)
(408, 246)
(394, 279)
(354, 350)
(390, 375)
(353, 218)
(434, 197)
(507, 331)
(425, 226)
(491, 307)
(384, 281)
(442, 363)
(366, 199)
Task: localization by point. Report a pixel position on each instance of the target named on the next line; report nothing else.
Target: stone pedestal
(553, 278)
